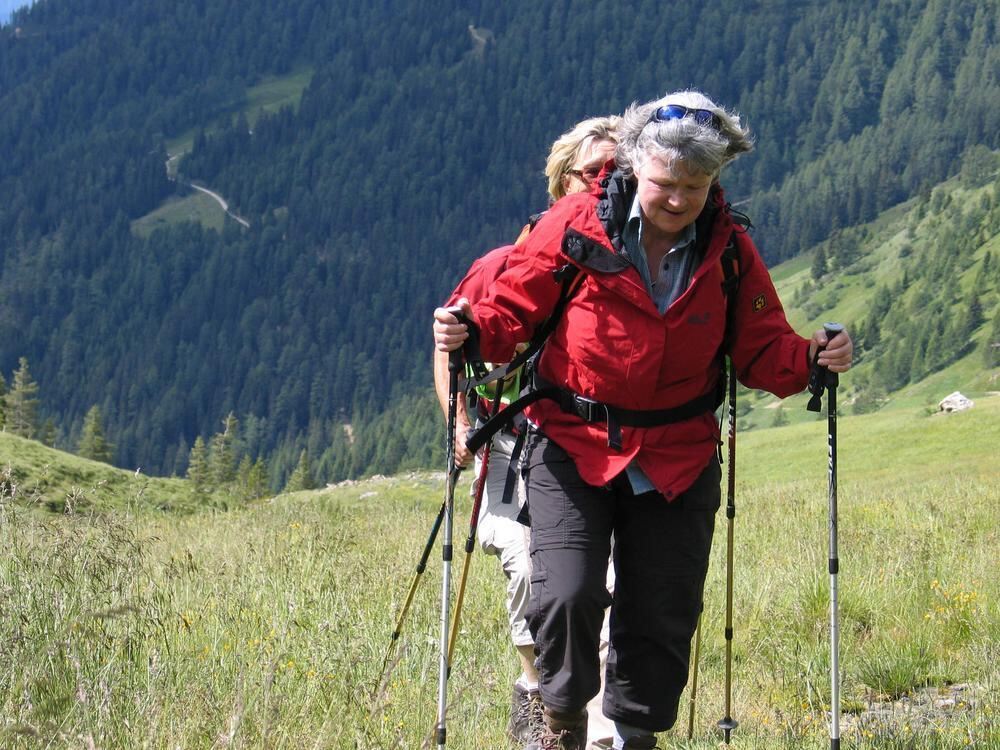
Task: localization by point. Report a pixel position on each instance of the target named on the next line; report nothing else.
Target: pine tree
(972, 319)
(819, 264)
(181, 457)
(869, 399)
(22, 402)
(93, 444)
(47, 436)
(198, 471)
(252, 478)
(872, 334)
(301, 478)
(938, 351)
(222, 457)
(243, 477)
(991, 350)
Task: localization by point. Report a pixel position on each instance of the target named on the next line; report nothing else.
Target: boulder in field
(955, 402)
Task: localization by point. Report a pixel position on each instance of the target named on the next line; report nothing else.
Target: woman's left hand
(838, 353)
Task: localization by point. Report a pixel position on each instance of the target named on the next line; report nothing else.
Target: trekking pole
(470, 545)
(821, 378)
(727, 723)
(694, 676)
(421, 566)
(454, 365)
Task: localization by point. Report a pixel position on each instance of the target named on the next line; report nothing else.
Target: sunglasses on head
(677, 112)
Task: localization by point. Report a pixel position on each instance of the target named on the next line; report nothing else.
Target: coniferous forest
(417, 144)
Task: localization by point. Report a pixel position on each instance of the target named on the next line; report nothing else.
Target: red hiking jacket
(612, 345)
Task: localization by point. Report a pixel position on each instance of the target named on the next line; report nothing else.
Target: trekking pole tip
(727, 725)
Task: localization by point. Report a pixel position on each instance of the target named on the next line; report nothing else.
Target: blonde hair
(570, 144)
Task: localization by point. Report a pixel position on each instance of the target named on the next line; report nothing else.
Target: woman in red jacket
(628, 445)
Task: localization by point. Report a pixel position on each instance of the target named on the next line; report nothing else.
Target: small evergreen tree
(47, 436)
(180, 457)
(252, 478)
(971, 320)
(243, 477)
(222, 452)
(301, 478)
(780, 418)
(872, 334)
(22, 402)
(93, 444)
(818, 264)
(869, 399)
(257, 482)
(979, 164)
(991, 352)
(3, 400)
(198, 471)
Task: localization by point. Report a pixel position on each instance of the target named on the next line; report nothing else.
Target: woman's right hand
(463, 457)
(449, 332)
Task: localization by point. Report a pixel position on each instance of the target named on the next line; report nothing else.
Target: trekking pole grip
(820, 376)
(455, 355)
(469, 350)
(831, 330)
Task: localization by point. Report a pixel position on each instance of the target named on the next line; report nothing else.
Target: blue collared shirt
(676, 269)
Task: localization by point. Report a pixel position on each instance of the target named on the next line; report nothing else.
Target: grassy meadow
(196, 207)
(129, 626)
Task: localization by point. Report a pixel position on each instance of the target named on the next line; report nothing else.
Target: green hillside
(34, 475)
(375, 150)
(194, 207)
(267, 625)
(921, 280)
(271, 94)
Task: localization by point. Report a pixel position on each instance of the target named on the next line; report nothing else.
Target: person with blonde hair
(576, 159)
(625, 443)
(578, 155)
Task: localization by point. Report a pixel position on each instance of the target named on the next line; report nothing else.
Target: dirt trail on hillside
(222, 202)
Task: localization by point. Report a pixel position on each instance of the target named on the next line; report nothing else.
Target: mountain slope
(416, 145)
(920, 289)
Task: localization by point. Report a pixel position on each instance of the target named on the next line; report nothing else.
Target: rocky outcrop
(955, 402)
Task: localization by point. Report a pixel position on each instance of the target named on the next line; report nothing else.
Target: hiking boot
(561, 731)
(525, 715)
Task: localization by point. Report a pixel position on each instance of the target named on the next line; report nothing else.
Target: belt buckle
(590, 410)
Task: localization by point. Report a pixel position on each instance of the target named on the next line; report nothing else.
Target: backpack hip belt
(616, 417)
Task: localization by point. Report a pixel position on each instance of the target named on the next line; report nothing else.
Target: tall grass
(266, 627)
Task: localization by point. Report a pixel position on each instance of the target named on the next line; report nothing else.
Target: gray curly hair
(703, 148)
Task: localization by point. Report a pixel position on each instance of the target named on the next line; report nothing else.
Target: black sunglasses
(587, 174)
(677, 112)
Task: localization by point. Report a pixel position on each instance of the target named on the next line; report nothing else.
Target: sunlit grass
(197, 207)
(267, 626)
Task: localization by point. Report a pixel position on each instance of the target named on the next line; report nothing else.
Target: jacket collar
(614, 200)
